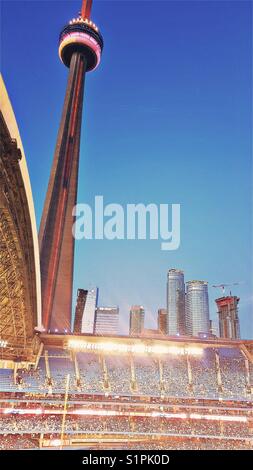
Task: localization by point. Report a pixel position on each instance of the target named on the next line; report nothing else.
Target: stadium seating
(169, 376)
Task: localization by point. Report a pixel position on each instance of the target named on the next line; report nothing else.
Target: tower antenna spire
(86, 9)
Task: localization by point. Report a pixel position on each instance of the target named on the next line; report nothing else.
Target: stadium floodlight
(139, 348)
(136, 348)
(38, 411)
(196, 416)
(174, 415)
(175, 350)
(56, 442)
(240, 419)
(194, 351)
(157, 349)
(94, 412)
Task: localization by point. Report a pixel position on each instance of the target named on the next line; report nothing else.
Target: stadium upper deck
(123, 366)
(152, 393)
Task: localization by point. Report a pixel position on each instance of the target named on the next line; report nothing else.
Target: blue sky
(167, 119)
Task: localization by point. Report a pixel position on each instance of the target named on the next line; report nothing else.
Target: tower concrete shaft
(80, 49)
(55, 237)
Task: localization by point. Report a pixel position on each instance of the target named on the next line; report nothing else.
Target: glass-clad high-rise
(197, 308)
(176, 323)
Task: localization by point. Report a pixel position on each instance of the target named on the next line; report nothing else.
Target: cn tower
(80, 48)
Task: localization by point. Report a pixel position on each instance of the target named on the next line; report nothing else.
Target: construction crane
(222, 286)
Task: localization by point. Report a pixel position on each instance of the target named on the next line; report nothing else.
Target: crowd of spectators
(232, 363)
(147, 376)
(21, 442)
(91, 373)
(169, 376)
(51, 424)
(188, 444)
(14, 442)
(175, 377)
(119, 373)
(204, 375)
(192, 427)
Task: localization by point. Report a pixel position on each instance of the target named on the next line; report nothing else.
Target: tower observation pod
(80, 48)
(81, 36)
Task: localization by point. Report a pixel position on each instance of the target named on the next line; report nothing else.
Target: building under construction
(229, 324)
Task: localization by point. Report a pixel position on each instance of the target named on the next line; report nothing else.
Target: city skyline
(203, 253)
(159, 156)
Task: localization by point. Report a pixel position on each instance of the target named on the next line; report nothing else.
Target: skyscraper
(80, 48)
(162, 320)
(229, 324)
(107, 321)
(197, 308)
(176, 302)
(88, 318)
(85, 311)
(137, 315)
(80, 305)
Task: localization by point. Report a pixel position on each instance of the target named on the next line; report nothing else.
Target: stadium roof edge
(61, 340)
(9, 116)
